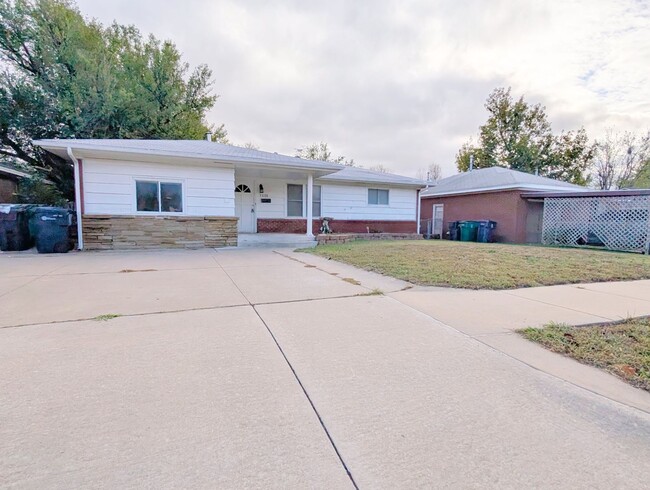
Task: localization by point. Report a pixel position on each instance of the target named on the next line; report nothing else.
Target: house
(9, 178)
(497, 194)
(162, 193)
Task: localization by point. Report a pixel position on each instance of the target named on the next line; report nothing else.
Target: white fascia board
(370, 183)
(60, 149)
(532, 187)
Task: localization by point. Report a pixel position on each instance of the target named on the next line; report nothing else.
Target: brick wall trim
(299, 225)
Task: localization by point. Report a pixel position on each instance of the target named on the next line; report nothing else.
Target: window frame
(378, 190)
(302, 201)
(158, 181)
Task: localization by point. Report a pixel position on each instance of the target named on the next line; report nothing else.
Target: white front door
(245, 208)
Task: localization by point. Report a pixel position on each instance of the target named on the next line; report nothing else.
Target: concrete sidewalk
(262, 369)
(492, 317)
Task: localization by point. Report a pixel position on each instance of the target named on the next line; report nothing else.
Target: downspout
(77, 198)
(418, 211)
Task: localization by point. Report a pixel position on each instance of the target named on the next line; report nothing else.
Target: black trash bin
(485, 232)
(454, 230)
(14, 228)
(51, 229)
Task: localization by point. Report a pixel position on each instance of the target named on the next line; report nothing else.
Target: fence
(615, 223)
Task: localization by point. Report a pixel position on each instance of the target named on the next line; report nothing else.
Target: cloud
(403, 83)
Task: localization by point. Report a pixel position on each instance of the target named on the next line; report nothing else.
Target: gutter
(77, 198)
(418, 211)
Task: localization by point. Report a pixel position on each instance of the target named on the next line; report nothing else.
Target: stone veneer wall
(109, 232)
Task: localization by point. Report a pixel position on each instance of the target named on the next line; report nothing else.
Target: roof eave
(514, 187)
(89, 149)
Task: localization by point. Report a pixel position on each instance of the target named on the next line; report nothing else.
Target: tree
(432, 173)
(518, 135)
(380, 168)
(620, 159)
(65, 77)
(320, 151)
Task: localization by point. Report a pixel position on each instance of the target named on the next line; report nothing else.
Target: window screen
(378, 196)
(294, 200)
(147, 196)
(315, 202)
(171, 198)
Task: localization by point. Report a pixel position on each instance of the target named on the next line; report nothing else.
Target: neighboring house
(496, 194)
(162, 193)
(9, 178)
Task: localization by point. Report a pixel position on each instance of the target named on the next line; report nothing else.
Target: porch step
(275, 240)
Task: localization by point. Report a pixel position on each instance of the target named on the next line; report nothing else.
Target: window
(378, 196)
(294, 200)
(315, 202)
(159, 197)
(243, 188)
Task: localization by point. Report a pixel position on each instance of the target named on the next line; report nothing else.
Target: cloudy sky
(402, 83)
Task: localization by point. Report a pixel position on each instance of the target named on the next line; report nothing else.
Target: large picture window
(378, 196)
(294, 200)
(159, 197)
(315, 202)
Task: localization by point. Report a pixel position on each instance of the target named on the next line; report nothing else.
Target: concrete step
(275, 240)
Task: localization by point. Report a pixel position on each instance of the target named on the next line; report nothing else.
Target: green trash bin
(468, 230)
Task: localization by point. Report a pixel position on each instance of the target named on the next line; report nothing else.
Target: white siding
(109, 186)
(349, 202)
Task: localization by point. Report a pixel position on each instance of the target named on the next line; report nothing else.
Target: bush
(36, 190)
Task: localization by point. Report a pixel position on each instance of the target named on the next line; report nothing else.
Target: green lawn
(622, 349)
(486, 266)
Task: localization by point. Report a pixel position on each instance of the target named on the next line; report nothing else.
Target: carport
(614, 220)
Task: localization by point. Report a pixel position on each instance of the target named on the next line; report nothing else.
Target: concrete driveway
(252, 369)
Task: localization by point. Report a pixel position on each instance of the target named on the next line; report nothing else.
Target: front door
(245, 208)
(438, 212)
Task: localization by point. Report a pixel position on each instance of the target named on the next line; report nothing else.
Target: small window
(243, 188)
(159, 197)
(294, 200)
(315, 202)
(378, 196)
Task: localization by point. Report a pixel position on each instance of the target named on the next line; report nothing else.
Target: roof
(12, 172)
(201, 149)
(589, 193)
(362, 175)
(496, 179)
(218, 152)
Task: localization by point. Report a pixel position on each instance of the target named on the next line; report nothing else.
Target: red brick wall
(338, 226)
(507, 208)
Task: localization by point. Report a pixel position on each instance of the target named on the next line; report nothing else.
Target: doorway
(245, 208)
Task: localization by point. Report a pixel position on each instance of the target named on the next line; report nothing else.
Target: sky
(402, 83)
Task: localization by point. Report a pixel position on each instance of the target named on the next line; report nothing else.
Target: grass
(621, 348)
(486, 266)
(106, 317)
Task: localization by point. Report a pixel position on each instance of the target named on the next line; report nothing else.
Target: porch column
(310, 199)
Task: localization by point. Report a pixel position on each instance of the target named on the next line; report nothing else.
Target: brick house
(9, 178)
(162, 193)
(496, 194)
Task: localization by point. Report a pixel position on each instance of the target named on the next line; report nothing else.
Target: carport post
(310, 193)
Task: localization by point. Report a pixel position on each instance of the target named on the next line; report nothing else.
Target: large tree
(321, 151)
(62, 76)
(518, 135)
(621, 160)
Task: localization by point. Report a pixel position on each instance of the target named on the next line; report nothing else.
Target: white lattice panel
(616, 223)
